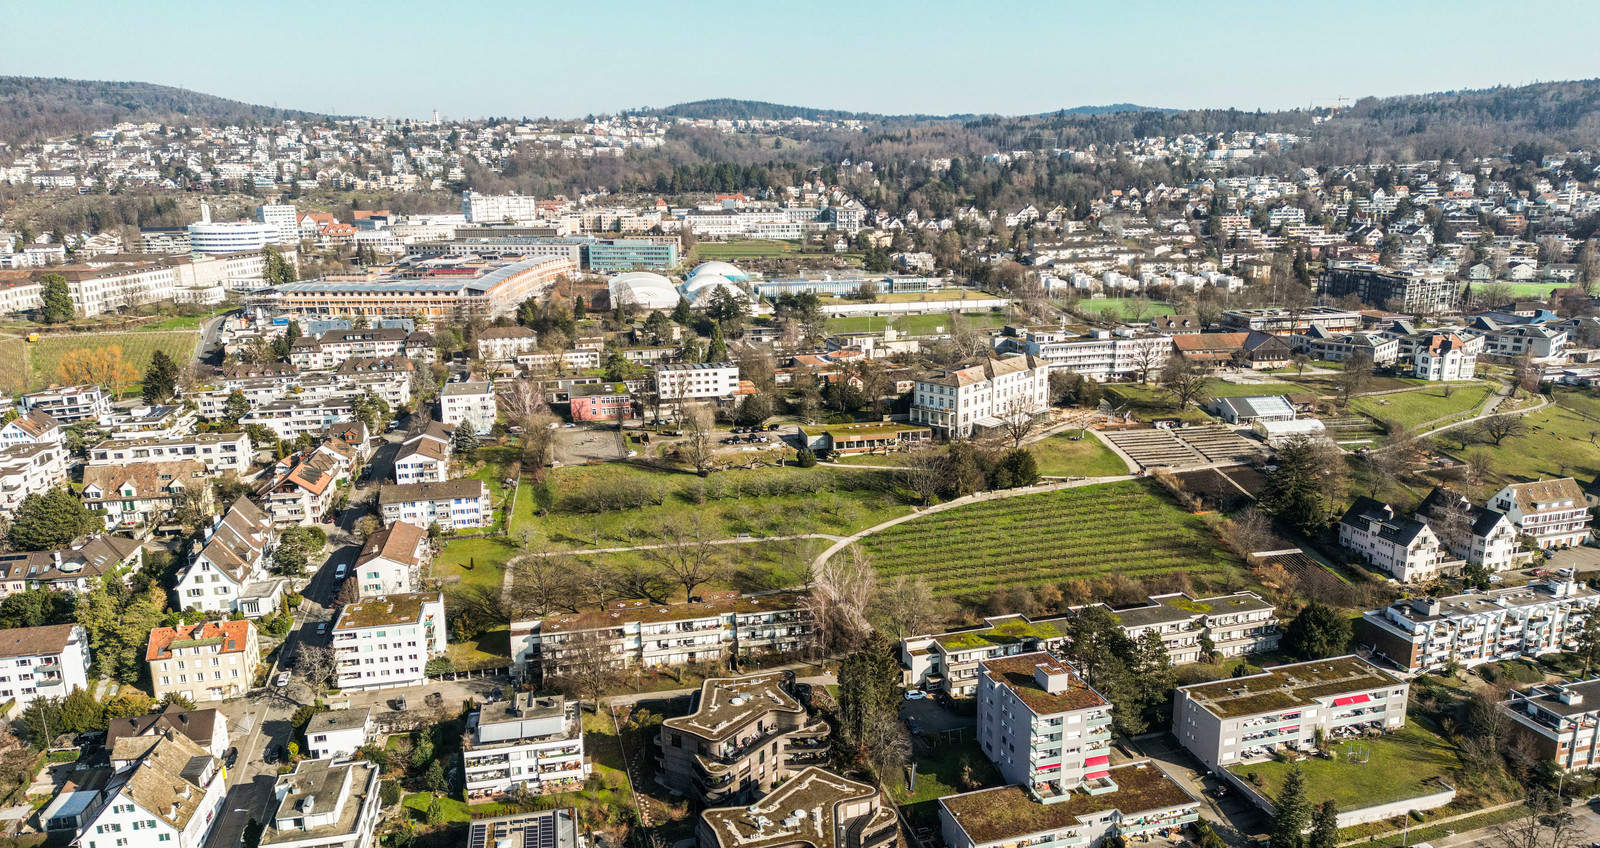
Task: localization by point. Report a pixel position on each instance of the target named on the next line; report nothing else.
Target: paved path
(748, 540)
(960, 502)
(1486, 411)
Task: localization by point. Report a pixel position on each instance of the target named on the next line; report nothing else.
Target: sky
(569, 59)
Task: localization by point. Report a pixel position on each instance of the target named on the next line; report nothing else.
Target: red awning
(1353, 699)
(1096, 774)
(1048, 768)
(1096, 761)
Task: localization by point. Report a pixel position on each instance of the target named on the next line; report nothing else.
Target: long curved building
(643, 289)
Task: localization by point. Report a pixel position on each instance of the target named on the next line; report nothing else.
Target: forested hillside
(39, 107)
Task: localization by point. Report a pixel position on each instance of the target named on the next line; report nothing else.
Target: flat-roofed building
(339, 733)
(46, 661)
(1559, 722)
(543, 829)
(814, 809)
(325, 803)
(950, 661)
(470, 404)
(1132, 800)
(220, 452)
(1289, 322)
(743, 736)
(526, 741)
(696, 380)
(1426, 634)
(387, 641)
(1041, 725)
(1248, 718)
(854, 439)
(1237, 624)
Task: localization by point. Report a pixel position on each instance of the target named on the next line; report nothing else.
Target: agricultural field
(1046, 538)
(137, 348)
(914, 325)
(1060, 456)
(13, 365)
(1417, 408)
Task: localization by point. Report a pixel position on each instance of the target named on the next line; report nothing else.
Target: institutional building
(956, 403)
(489, 292)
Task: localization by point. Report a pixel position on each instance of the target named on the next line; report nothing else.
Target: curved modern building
(231, 237)
(701, 288)
(722, 269)
(643, 289)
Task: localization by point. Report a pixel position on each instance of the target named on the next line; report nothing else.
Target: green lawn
(1047, 538)
(1121, 304)
(748, 249)
(1147, 402)
(137, 347)
(1413, 409)
(1561, 442)
(454, 810)
(1402, 764)
(914, 325)
(492, 649)
(474, 561)
(1060, 456)
(1535, 290)
(940, 772)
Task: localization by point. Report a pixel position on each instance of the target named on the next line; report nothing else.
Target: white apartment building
(27, 469)
(453, 504)
(1470, 532)
(284, 217)
(1245, 719)
(43, 662)
(1554, 513)
(1560, 721)
(331, 349)
(1101, 355)
(693, 381)
(170, 796)
(503, 344)
(1406, 548)
(288, 419)
(232, 563)
(1446, 356)
(339, 733)
(391, 561)
(468, 403)
(528, 741)
(423, 460)
(221, 453)
(1237, 624)
(35, 428)
(1534, 340)
(209, 661)
(498, 208)
(325, 803)
(69, 404)
(1041, 725)
(148, 422)
(386, 641)
(958, 402)
(1426, 634)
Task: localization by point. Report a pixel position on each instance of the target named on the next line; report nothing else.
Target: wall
(1350, 818)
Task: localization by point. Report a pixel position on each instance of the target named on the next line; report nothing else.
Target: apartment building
(696, 380)
(69, 404)
(209, 661)
(148, 422)
(144, 494)
(170, 795)
(1133, 800)
(813, 809)
(231, 565)
(1341, 347)
(43, 662)
(1470, 532)
(1406, 548)
(1290, 322)
(1558, 722)
(743, 736)
(957, 402)
(599, 402)
(525, 741)
(221, 453)
(711, 628)
(304, 484)
(453, 504)
(331, 349)
(951, 661)
(1445, 357)
(546, 829)
(1538, 341)
(1041, 725)
(325, 803)
(391, 561)
(468, 403)
(504, 344)
(1553, 513)
(291, 418)
(386, 641)
(1385, 288)
(1234, 625)
(27, 469)
(1426, 634)
(425, 457)
(1101, 355)
(1248, 718)
(339, 733)
(34, 428)
(75, 569)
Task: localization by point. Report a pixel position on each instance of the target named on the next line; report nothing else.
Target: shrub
(389, 793)
(805, 458)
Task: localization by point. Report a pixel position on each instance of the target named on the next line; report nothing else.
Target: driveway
(1234, 818)
(1580, 559)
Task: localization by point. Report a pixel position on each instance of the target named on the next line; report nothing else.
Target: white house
(1446, 356)
(957, 402)
(1554, 513)
(39, 662)
(170, 797)
(35, 428)
(221, 453)
(690, 381)
(143, 493)
(232, 559)
(391, 561)
(526, 740)
(386, 641)
(1472, 533)
(471, 403)
(453, 504)
(70, 404)
(339, 733)
(503, 344)
(325, 803)
(1406, 548)
(422, 460)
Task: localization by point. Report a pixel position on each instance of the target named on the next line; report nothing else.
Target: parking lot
(1231, 815)
(933, 724)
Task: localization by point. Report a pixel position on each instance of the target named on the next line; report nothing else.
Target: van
(338, 573)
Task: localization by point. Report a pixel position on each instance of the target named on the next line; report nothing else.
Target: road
(208, 350)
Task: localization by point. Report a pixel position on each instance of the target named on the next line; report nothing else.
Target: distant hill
(38, 107)
(730, 109)
(1108, 109)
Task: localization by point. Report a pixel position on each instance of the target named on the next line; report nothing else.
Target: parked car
(400, 702)
(915, 694)
(322, 627)
(232, 757)
(282, 679)
(338, 573)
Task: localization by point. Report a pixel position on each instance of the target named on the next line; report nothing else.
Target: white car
(283, 679)
(915, 694)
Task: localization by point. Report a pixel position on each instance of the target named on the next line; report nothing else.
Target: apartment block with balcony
(635, 633)
(386, 641)
(1406, 548)
(950, 661)
(70, 404)
(1553, 513)
(43, 662)
(220, 452)
(1426, 634)
(527, 741)
(1472, 533)
(814, 809)
(1136, 801)
(742, 737)
(1246, 719)
(1042, 726)
(1559, 722)
(1237, 624)
(325, 804)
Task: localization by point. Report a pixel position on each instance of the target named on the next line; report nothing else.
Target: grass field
(1561, 442)
(1535, 290)
(1060, 456)
(1413, 409)
(931, 296)
(1147, 402)
(1121, 305)
(137, 348)
(914, 325)
(474, 561)
(1046, 538)
(1402, 764)
(940, 773)
(13, 365)
(748, 249)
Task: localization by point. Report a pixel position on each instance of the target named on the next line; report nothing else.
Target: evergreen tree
(1294, 492)
(682, 314)
(579, 311)
(465, 441)
(50, 520)
(1318, 632)
(161, 378)
(717, 350)
(276, 269)
(1325, 826)
(57, 299)
(1293, 812)
(238, 406)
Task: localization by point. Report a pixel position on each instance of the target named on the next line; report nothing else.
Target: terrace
(1009, 813)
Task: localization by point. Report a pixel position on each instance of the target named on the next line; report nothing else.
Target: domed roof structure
(700, 281)
(703, 288)
(722, 269)
(643, 289)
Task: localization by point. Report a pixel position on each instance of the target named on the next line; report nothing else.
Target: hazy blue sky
(468, 59)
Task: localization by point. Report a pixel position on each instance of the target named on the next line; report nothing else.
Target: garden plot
(1156, 448)
(1220, 445)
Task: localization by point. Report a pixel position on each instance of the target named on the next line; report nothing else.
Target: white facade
(161, 801)
(1554, 513)
(41, 662)
(1406, 548)
(1426, 634)
(525, 741)
(1041, 725)
(1446, 357)
(285, 218)
(954, 403)
(339, 733)
(453, 504)
(498, 208)
(325, 803)
(231, 237)
(70, 404)
(386, 642)
(698, 380)
(392, 559)
(468, 403)
(229, 453)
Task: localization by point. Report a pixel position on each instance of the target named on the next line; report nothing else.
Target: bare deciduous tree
(903, 607)
(698, 447)
(924, 472)
(841, 589)
(1498, 428)
(1019, 418)
(1186, 382)
(316, 663)
(584, 664)
(543, 580)
(687, 552)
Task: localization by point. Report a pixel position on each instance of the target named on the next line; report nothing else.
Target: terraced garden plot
(1030, 540)
(1155, 448)
(1218, 444)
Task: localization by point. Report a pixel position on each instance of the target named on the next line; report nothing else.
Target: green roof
(860, 431)
(1005, 632)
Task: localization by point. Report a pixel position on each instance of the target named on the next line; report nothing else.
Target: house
(1249, 410)
(1340, 347)
(1245, 719)
(955, 403)
(468, 403)
(171, 795)
(1131, 800)
(304, 492)
(354, 434)
(69, 404)
(34, 428)
(1552, 513)
(453, 504)
(648, 635)
(503, 344)
(528, 741)
(391, 561)
(229, 573)
(209, 661)
(207, 728)
(325, 803)
(1557, 722)
(751, 731)
(1445, 356)
(1537, 341)
(43, 662)
(1426, 634)
(386, 641)
(1265, 351)
(76, 568)
(1471, 533)
(220, 453)
(600, 402)
(143, 494)
(1210, 349)
(423, 460)
(839, 813)
(339, 733)
(1406, 548)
